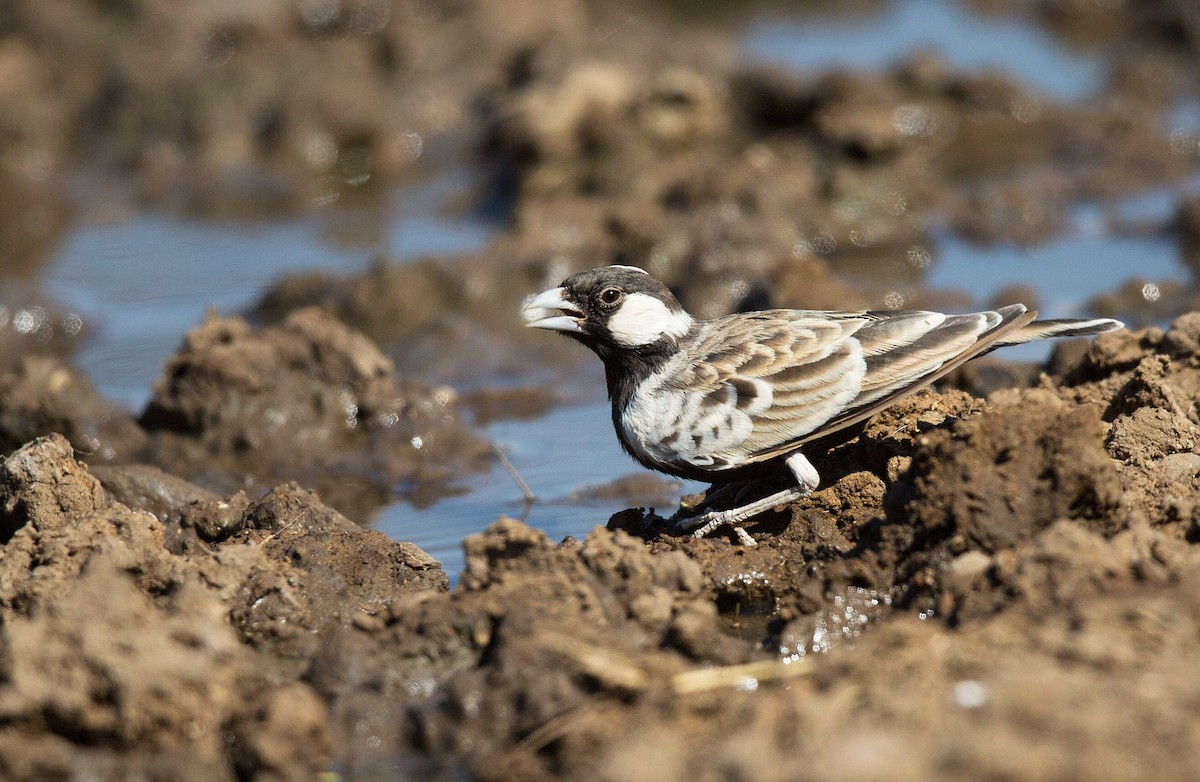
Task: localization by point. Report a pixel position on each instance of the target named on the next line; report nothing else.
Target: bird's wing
(744, 380)
(773, 380)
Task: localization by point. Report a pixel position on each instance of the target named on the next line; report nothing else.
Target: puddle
(1093, 257)
(1066, 271)
(557, 454)
(143, 282)
(1184, 117)
(423, 228)
(967, 40)
(1095, 254)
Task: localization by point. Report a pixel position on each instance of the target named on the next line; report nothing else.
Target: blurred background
(416, 167)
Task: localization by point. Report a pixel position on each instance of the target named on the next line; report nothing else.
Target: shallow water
(967, 40)
(567, 450)
(141, 282)
(1067, 270)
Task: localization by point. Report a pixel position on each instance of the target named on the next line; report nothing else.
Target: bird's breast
(681, 432)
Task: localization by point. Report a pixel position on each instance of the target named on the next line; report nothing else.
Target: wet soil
(997, 579)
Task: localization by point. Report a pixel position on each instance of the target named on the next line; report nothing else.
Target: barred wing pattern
(770, 381)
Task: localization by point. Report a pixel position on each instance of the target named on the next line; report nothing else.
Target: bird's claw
(705, 524)
(744, 537)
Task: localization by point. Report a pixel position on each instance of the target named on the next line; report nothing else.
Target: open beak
(551, 310)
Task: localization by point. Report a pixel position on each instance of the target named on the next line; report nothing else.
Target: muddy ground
(998, 579)
(985, 588)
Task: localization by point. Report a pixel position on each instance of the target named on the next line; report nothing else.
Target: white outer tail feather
(1049, 329)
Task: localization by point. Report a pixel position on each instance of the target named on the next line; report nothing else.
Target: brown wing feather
(829, 370)
(761, 343)
(902, 371)
(790, 373)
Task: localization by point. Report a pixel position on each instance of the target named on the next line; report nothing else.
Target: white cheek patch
(642, 319)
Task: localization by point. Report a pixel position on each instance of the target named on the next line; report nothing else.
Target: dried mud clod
(44, 394)
(308, 399)
(125, 658)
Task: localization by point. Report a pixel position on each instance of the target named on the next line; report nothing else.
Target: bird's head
(611, 309)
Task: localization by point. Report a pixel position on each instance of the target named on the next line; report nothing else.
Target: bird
(739, 397)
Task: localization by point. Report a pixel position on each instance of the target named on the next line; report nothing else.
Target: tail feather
(1061, 327)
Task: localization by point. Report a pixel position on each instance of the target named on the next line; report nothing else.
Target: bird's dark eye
(610, 297)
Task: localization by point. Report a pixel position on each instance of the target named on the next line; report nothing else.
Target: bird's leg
(807, 481)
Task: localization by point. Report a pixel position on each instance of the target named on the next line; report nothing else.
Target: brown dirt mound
(122, 658)
(307, 400)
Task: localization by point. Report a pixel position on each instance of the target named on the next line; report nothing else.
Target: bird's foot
(712, 525)
(706, 523)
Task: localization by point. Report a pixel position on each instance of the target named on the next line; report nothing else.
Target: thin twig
(512, 473)
(609, 669)
(282, 529)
